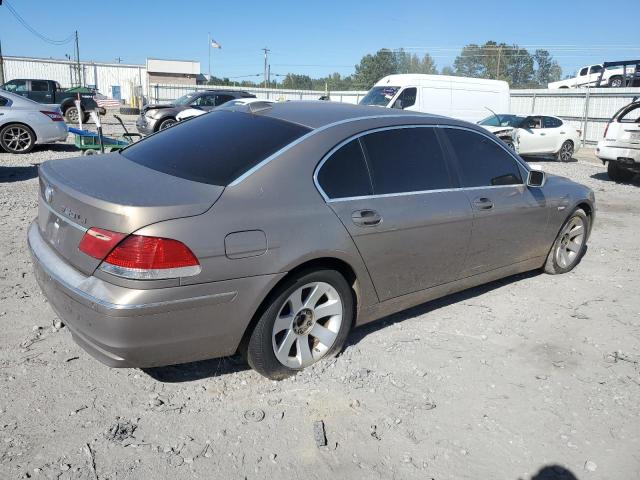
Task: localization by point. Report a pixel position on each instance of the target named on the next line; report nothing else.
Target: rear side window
(345, 173)
(3, 102)
(215, 148)
(552, 122)
(406, 160)
(632, 115)
(39, 86)
(221, 98)
(482, 162)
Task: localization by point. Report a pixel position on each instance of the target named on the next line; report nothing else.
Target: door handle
(366, 218)
(562, 133)
(542, 134)
(483, 203)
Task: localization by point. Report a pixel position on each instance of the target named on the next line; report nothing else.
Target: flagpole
(209, 43)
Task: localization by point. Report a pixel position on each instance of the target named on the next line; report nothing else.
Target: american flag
(106, 102)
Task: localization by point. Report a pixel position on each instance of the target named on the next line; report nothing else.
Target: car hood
(493, 129)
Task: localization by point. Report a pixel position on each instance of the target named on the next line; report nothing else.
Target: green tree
(548, 70)
(373, 67)
(411, 63)
(297, 82)
(447, 71)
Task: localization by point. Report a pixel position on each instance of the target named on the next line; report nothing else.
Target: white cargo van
(457, 97)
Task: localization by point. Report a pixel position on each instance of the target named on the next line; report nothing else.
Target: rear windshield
(215, 148)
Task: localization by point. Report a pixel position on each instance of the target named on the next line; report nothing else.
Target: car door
(509, 218)
(40, 91)
(410, 225)
(582, 77)
(594, 75)
(556, 134)
(532, 137)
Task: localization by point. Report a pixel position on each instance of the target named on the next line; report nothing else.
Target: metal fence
(587, 109)
(159, 93)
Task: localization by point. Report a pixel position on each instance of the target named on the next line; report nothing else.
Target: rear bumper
(52, 132)
(124, 327)
(607, 152)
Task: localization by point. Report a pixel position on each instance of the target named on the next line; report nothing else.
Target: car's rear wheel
(618, 173)
(166, 123)
(307, 319)
(17, 138)
(570, 245)
(615, 82)
(565, 154)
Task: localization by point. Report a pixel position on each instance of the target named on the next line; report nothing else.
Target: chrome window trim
(519, 163)
(314, 131)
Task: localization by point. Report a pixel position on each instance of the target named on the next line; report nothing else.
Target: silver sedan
(274, 231)
(25, 123)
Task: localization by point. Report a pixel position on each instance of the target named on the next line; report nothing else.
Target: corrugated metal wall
(103, 75)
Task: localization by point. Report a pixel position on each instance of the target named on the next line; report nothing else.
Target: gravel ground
(530, 376)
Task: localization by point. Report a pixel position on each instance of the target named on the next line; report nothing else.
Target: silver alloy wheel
(17, 138)
(571, 242)
(566, 151)
(72, 115)
(307, 325)
(616, 82)
(167, 124)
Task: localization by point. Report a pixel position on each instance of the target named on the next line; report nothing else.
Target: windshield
(379, 96)
(185, 99)
(501, 120)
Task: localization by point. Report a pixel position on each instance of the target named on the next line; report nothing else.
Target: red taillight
(55, 116)
(148, 258)
(97, 242)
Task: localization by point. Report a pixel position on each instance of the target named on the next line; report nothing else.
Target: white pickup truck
(588, 77)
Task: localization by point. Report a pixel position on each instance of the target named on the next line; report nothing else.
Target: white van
(458, 97)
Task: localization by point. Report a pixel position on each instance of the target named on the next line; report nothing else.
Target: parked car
(458, 97)
(535, 135)
(620, 145)
(197, 111)
(50, 92)
(160, 116)
(274, 232)
(25, 123)
(595, 76)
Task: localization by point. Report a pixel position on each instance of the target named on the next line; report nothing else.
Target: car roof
(317, 113)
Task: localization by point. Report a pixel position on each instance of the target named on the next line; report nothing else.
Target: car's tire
(90, 151)
(17, 138)
(615, 82)
(565, 154)
(71, 114)
(292, 317)
(619, 174)
(570, 245)
(129, 111)
(166, 123)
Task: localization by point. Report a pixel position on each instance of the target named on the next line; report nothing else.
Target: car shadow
(188, 372)
(530, 159)
(553, 472)
(17, 174)
(604, 176)
(59, 147)
(219, 367)
(361, 332)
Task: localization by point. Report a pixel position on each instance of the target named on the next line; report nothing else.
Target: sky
(315, 38)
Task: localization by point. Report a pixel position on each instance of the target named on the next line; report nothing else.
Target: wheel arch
(325, 262)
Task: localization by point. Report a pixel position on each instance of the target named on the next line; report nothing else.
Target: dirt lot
(531, 373)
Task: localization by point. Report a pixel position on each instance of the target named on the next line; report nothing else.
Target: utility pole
(1, 61)
(266, 60)
(498, 70)
(78, 69)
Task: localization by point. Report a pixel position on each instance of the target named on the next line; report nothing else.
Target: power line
(24, 23)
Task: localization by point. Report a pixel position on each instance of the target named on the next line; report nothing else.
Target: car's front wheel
(17, 138)
(570, 245)
(166, 123)
(305, 320)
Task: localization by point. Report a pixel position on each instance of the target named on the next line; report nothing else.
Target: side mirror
(536, 178)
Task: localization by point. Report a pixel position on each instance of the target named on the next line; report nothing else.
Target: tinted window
(220, 99)
(345, 173)
(204, 101)
(583, 71)
(406, 160)
(552, 122)
(3, 102)
(39, 86)
(215, 148)
(16, 86)
(482, 162)
(408, 97)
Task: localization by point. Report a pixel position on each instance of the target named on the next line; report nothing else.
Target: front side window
(39, 86)
(406, 160)
(222, 98)
(482, 162)
(595, 69)
(215, 148)
(407, 98)
(584, 71)
(345, 173)
(501, 120)
(379, 96)
(185, 99)
(532, 123)
(204, 101)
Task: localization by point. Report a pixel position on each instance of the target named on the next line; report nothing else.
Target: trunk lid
(113, 193)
